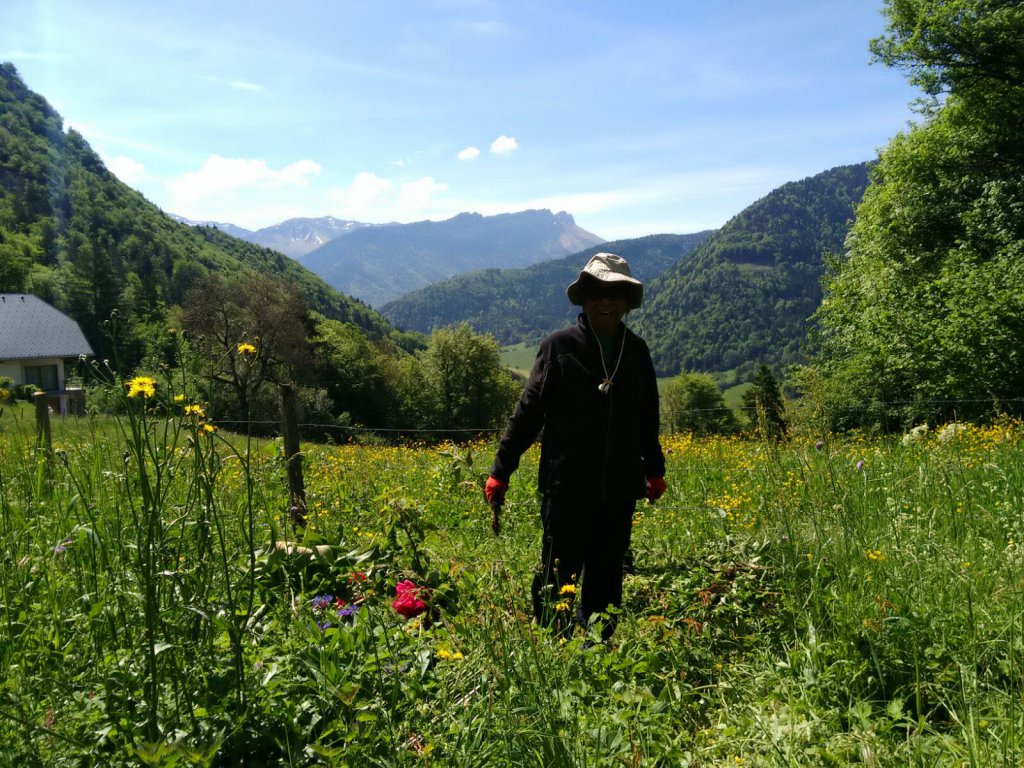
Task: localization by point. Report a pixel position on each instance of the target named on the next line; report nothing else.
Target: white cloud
(239, 85)
(419, 195)
(504, 144)
(221, 174)
(363, 199)
(469, 153)
(368, 189)
(227, 189)
(374, 199)
(127, 170)
(242, 85)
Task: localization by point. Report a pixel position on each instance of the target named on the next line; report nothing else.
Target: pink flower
(407, 602)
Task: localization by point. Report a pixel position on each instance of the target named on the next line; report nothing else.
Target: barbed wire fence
(1015, 404)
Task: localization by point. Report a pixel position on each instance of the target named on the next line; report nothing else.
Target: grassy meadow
(825, 601)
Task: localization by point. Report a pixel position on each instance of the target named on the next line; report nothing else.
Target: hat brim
(577, 291)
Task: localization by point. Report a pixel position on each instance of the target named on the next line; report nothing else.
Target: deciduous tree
(692, 402)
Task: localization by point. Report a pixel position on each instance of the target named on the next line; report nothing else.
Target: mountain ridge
(381, 263)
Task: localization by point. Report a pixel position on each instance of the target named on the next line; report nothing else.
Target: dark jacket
(594, 445)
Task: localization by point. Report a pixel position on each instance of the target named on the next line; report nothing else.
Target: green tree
(925, 310)
(471, 389)
(355, 372)
(692, 402)
(955, 45)
(248, 333)
(764, 404)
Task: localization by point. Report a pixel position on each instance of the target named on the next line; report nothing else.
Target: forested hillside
(522, 304)
(75, 236)
(747, 293)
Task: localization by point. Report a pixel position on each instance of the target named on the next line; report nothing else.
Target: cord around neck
(608, 377)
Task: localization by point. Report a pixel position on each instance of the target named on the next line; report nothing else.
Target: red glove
(494, 490)
(655, 488)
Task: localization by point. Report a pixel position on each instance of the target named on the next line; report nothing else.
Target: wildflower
(875, 555)
(356, 576)
(951, 432)
(860, 465)
(449, 655)
(179, 398)
(916, 435)
(63, 546)
(209, 428)
(562, 605)
(142, 385)
(194, 410)
(407, 602)
(819, 445)
(568, 589)
(245, 348)
(321, 602)
(348, 610)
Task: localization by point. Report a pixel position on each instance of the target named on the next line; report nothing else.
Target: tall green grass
(817, 602)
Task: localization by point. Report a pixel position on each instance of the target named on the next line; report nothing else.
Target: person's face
(605, 306)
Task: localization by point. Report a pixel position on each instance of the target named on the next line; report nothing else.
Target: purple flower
(323, 626)
(347, 610)
(819, 445)
(63, 546)
(322, 602)
(860, 465)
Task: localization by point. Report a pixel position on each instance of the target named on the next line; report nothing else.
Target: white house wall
(15, 369)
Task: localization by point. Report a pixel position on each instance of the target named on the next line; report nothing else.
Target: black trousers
(581, 561)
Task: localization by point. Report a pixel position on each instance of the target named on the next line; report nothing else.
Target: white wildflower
(916, 435)
(951, 432)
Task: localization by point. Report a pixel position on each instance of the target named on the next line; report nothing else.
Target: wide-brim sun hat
(606, 268)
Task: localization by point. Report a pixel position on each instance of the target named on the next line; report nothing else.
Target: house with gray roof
(35, 340)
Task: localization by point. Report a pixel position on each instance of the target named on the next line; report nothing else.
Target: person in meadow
(592, 391)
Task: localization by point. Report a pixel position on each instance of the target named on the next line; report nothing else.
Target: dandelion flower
(568, 589)
(194, 410)
(245, 348)
(142, 385)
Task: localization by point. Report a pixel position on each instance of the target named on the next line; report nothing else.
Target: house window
(43, 376)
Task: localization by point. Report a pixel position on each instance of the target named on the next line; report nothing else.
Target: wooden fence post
(293, 455)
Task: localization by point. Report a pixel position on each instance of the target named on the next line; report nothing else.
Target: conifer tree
(765, 406)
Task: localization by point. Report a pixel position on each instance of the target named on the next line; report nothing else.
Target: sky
(636, 118)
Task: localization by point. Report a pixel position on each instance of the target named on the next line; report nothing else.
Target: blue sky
(637, 118)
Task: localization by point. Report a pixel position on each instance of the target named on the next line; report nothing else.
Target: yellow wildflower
(179, 398)
(209, 428)
(194, 410)
(142, 385)
(562, 605)
(568, 589)
(875, 555)
(245, 348)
